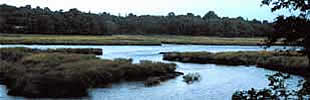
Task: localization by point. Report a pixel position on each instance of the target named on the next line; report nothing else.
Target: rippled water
(218, 81)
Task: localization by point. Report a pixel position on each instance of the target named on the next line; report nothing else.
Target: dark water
(218, 81)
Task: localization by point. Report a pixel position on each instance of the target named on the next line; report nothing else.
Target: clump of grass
(191, 77)
(45, 74)
(292, 63)
(53, 59)
(237, 58)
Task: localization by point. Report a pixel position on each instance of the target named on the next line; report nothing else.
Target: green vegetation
(288, 30)
(295, 62)
(191, 77)
(76, 50)
(76, 40)
(293, 29)
(277, 90)
(58, 50)
(38, 20)
(62, 74)
(124, 40)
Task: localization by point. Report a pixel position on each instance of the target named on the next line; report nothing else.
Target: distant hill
(38, 20)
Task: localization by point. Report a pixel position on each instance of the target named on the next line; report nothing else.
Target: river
(218, 82)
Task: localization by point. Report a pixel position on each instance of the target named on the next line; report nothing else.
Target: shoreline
(117, 44)
(220, 44)
(95, 44)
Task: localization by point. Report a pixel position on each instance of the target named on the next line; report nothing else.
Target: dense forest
(38, 20)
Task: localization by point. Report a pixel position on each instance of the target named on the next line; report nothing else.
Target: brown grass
(124, 40)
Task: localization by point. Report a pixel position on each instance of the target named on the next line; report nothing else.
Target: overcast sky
(225, 8)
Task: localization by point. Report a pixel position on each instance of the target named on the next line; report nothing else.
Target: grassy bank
(294, 63)
(62, 74)
(94, 51)
(123, 40)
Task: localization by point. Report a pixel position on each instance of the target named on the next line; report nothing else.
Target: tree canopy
(302, 5)
(29, 20)
(293, 29)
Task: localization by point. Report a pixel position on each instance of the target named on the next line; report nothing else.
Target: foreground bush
(58, 74)
(292, 63)
(277, 90)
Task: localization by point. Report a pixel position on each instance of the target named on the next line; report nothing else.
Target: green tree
(171, 14)
(277, 90)
(211, 15)
(293, 29)
(45, 21)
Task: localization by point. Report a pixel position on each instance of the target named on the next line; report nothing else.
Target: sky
(249, 9)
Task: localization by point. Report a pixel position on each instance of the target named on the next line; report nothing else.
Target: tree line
(28, 20)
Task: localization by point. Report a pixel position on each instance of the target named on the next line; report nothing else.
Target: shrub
(277, 90)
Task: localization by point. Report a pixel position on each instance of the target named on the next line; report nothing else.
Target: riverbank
(293, 63)
(30, 39)
(94, 51)
(36, 73)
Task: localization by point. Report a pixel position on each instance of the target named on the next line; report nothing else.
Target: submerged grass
(124, 40)
(62, 74)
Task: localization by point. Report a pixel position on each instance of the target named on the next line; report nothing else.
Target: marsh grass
(62, 74)
(293, 63)
(124, 40)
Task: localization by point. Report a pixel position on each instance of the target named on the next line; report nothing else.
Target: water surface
(218, 81)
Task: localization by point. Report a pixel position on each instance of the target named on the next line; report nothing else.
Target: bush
(277, 90)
